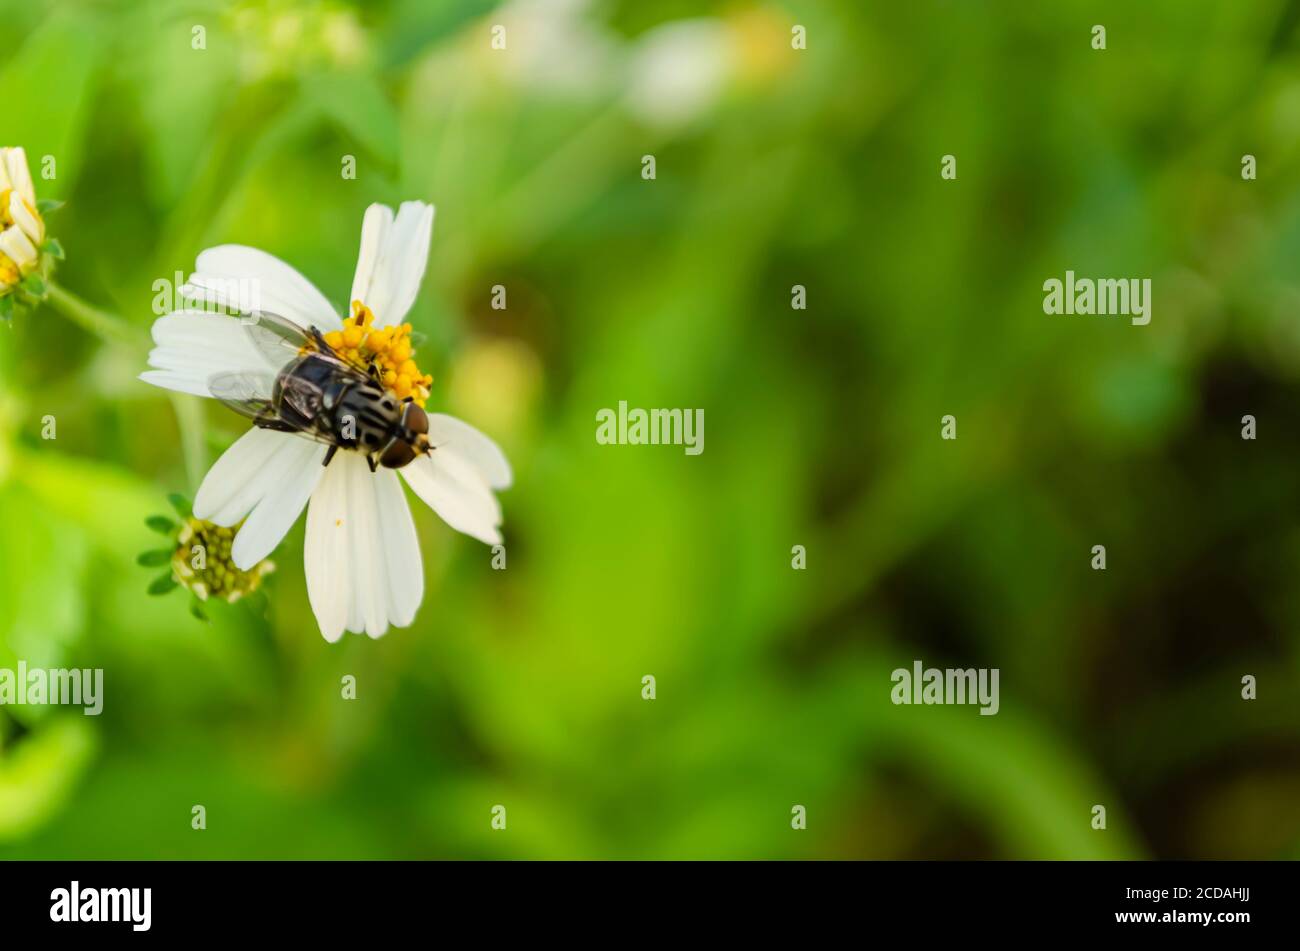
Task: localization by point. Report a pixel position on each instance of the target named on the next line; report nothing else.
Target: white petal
(17, 247)
(248, 279)
(26, 218)
(5, 183)
(261, 466)
(398, 263)
(454, 489)
(297, 473)
(362, 558)
(369, 586)
(20, 175)
(451, 435)
(326, 555)
(405, 571)
(374, 230)
(192, 346)
(175, 380)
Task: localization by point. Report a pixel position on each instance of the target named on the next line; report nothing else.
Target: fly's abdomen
(365, 418)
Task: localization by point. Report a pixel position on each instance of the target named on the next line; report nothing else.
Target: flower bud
(24, 249)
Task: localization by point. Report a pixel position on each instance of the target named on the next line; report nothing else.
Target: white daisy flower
(22, 230)
(362, 557)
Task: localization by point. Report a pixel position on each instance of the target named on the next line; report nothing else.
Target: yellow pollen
(5, 219)
(9, 273)
(387, 349)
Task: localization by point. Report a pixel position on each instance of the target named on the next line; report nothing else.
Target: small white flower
(362, 557)
(22, 230)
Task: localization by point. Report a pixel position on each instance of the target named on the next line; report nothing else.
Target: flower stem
(106, 326)
(189, 420)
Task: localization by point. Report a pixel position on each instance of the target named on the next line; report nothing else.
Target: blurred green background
(775, 167)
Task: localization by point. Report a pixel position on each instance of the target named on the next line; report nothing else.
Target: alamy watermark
(213, 295)
(927, 685)
(1105, 297)
(76, 904)
(82, 687)
(653, 427)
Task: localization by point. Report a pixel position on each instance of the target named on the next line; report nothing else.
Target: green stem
(106, 326)
(189, 420)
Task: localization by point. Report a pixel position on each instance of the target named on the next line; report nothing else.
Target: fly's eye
(415, 418)
(397, 455)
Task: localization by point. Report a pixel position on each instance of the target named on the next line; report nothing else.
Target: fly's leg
(319, 339)
(329, 455)
(373, 464)
(275, 425)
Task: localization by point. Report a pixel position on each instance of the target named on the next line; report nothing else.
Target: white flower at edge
(22, 231)
(362, 557)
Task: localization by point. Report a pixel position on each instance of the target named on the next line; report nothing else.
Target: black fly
(308, 389)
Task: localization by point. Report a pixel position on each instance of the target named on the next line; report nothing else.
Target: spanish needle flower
(27, 254)
(199, 560)
(362, 558)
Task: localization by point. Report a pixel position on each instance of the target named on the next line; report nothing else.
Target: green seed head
(202, 562)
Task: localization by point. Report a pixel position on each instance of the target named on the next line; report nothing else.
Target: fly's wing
(279, 340)
(249, 395)
(302, 402)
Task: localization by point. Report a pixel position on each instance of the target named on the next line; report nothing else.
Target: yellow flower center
(6, 219)
(387, 349)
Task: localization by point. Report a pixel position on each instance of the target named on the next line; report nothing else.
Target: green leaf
(53, 248)
(154, 559)
(6, 307)
(162, 584)
(34, 286)
(45, 206)
(161, 524)
(181, 504)
(197, 610)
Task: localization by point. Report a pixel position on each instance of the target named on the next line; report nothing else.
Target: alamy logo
(81, 687)
(1128, 297)
(213, 295)
(655, 427)
(134, 905)
(951, 685)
